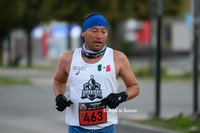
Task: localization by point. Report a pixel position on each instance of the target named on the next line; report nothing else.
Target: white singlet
(91, 83)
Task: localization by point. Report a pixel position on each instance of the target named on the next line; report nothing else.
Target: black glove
(114, 99)
(62, 102)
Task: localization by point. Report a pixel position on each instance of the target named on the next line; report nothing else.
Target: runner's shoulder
(66, 57)
(118, 55)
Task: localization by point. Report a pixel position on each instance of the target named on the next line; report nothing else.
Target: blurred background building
(39, 32)
(50, 40)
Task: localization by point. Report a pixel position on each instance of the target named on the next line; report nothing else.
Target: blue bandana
(96, 20)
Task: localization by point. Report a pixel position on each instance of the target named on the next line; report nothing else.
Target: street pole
(195, 56)
(158, 56)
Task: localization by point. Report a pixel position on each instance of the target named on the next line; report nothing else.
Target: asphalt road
(30, 108)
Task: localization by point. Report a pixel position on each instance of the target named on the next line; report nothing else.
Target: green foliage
(176, 76)
(144, 72)
(31, 12)
(179, 123)
(175, 8)
(28, 13)
(6, 80)
(40, 68)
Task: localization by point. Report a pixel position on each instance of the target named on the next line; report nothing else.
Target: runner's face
(95, 38)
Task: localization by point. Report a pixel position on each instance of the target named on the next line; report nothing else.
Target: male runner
(92, 72)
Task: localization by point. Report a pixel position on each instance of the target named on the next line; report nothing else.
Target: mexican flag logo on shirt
(100, 67)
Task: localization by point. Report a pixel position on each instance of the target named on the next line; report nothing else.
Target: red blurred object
(143, 35)
(44, 45)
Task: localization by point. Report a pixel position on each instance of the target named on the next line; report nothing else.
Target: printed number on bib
(92, 113)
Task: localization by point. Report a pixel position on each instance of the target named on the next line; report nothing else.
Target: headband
(95, 20)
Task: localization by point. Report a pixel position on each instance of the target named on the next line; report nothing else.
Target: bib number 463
(91, 117)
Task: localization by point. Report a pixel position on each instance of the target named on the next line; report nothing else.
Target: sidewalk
(37, 77)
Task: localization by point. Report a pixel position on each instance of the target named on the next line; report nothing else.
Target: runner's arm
(126, 73)
(61, 76)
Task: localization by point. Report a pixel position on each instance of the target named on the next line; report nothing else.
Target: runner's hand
(114, 99)
(62, 102)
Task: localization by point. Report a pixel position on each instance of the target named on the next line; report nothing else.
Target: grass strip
(179, 123)
(6, 80)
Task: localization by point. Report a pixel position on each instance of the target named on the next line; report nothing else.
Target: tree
(115, 10)
(28, 13)
(22, 14)
(8, 15)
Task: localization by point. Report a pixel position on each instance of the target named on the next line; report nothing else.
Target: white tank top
(82, 75)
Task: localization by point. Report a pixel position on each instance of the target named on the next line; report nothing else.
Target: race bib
(92, 113)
